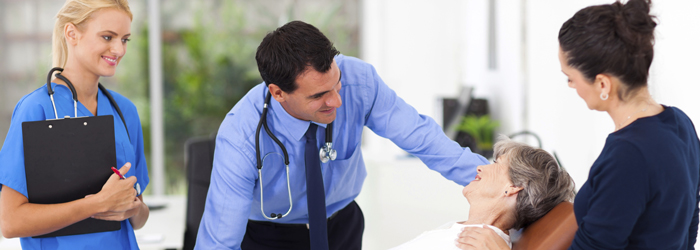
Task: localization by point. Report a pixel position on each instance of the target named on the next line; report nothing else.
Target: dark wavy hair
(286, 52)
(615, 39)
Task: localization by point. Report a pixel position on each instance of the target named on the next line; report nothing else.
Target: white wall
(427, 49)
(677, 56)
(414, 46)
(503, 86)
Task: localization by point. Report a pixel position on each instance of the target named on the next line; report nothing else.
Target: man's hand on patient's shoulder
(480, 238)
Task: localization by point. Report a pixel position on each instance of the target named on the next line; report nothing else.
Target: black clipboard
(67, 159)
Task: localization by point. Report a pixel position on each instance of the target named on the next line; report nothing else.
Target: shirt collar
(292, 126)
(104, 107)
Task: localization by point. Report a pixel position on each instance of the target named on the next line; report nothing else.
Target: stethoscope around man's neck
(325, 154)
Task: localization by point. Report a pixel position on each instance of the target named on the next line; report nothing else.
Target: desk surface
(165, 228)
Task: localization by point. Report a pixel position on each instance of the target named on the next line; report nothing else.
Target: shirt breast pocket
(346, 172)
(127, 155)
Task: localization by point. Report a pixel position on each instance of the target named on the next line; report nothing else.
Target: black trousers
(345, 230)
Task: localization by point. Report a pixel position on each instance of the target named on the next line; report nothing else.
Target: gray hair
(544, 183)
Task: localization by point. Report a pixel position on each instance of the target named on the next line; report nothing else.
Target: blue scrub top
(37, 106)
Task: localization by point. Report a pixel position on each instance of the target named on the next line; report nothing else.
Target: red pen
(118, 173)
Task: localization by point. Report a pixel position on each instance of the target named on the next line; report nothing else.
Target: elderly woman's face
(491, 181)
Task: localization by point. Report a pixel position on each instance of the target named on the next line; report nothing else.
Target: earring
(603, 96)
(506, 192)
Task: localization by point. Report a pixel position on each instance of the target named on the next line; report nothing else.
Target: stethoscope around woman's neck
(75, 96)
(326, 153)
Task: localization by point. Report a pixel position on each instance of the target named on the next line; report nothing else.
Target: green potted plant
(481, 128)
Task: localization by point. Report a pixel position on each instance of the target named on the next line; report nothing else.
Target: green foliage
(207, 68)
(481, 128)
(210, 68)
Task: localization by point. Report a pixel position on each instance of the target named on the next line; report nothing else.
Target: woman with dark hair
(642, 191)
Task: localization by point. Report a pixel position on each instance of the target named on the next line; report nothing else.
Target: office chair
(199, 160)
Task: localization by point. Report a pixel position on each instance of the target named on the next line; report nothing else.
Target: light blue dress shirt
(234, 192)
(37, 106)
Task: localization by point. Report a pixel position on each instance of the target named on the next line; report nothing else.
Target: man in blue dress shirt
(311, 83)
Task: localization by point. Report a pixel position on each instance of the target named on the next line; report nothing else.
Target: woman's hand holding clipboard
(118, 197)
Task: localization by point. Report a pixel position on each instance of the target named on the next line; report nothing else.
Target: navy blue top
(642, 191)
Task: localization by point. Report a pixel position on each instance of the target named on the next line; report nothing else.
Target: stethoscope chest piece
(327, 153)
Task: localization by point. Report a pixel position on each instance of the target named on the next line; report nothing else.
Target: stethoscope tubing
(75, 96)
(326, 153)
(70, 86)
(289, 190)
(263, 123)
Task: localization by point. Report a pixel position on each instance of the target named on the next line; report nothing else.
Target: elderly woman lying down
(520, 186)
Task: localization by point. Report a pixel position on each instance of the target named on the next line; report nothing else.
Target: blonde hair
(77, 12)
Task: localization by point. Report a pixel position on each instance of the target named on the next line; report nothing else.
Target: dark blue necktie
(315, 193)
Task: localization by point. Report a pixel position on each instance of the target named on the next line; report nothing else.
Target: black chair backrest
(199, 160)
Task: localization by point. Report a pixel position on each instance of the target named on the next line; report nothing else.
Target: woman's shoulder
(39, 95)
(679, 117)
(650, 141)
(655, 132)
(624, 152)
(125, 104)
(119, 98)
(31, 106)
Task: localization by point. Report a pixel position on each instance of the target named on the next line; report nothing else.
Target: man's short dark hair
(286, 52)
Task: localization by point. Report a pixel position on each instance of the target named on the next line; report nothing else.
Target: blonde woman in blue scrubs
(90, 38)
